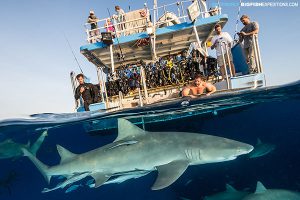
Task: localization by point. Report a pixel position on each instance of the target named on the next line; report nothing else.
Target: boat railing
(121, 25)
(257, 55)
(138, 21)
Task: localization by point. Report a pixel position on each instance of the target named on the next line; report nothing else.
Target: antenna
(73, 53)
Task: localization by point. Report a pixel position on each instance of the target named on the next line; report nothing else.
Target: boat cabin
(148, 55)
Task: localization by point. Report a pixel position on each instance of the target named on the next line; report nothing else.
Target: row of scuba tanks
(169, 70)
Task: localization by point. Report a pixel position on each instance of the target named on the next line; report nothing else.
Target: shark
(134, 149)
(229, 194)
(261, 149)
(262, 193)
(11, 149)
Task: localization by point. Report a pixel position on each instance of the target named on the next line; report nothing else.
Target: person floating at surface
(94, 32)
(246, 35)
(223, 40)
(87, 91)
(198, 87)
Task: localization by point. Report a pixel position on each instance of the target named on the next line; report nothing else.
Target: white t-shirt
(223, 37)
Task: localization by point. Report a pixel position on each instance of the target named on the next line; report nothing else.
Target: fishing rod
(73, 53)
(122, 56)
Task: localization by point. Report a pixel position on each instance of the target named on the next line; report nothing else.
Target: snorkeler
(198, 87)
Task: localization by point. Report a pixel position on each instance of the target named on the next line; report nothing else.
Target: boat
(148, 38)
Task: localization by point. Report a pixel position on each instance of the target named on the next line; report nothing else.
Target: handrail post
(112, 59)
(219, 7)
(182, 10)
(255, 54)
(153, 37)
(100, 83)
(140, 97)
(196, 33)
(73, 82)
(105, 90)
(120, 100)
(225, 68)
(228, 59)
(144, 83)
(258, 53)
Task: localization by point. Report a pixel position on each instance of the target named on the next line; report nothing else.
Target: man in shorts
(223, 40)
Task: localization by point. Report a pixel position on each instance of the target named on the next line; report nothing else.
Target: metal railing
(119, 27)
(161, 17)
(257, 56)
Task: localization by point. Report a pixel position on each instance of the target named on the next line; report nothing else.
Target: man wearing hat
(94, 32)
(222, 41)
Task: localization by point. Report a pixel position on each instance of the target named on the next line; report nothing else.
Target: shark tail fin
(41, 166)
(36, 146)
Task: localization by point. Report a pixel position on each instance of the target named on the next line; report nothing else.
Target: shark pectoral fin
(126, 129)
(100, 178)
(169, 173)
(64, 154)
(37, 144)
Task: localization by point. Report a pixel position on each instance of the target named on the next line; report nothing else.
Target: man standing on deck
(87, 91)
(219, 41)
(94, 32)
(246, 35)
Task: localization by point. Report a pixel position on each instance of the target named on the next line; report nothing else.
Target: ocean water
(270, 114)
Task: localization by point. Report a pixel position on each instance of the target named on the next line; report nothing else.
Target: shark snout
(245, 149)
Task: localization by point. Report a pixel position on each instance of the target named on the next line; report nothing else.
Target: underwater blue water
(271, 114)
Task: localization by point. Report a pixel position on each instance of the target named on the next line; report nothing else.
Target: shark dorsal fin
(126, 129)
(260, 188)
(258, 141)
(229, 188)
(64, 154)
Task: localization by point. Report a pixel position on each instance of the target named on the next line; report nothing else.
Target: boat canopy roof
(170, 39)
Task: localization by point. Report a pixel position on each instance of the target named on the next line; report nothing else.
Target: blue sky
(35, 60)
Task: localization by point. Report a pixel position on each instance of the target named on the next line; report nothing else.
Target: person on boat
(120, 17)
(198, 87)
(246, 34)
(87, 91)
(219, 41)
(94, 32)
(109, 26)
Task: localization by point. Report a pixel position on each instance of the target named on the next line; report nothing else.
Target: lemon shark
(134, 149)
(262, 193)
(11, 149)
(229, 194)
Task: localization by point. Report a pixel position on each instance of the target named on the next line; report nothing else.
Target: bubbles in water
(215, 112)
(185, 103)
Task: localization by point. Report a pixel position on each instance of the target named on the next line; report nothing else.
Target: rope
(237, 20)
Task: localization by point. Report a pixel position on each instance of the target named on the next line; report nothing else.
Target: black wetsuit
(89, 95)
